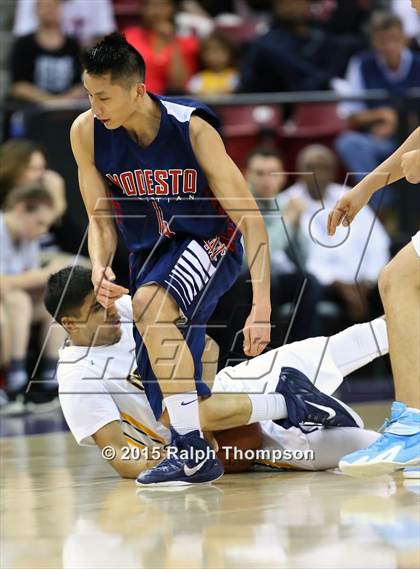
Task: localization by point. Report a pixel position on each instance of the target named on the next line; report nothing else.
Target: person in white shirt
(103, 401)
(27, 215)
(288, 243)
(85, 20)
(349, 264)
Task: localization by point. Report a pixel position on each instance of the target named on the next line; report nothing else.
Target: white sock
(358, 345)
(183, 412)
(267, 407)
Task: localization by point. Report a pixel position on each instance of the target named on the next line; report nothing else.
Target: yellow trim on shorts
(143, 428)
(134, 443)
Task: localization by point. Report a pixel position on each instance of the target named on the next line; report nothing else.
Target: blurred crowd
(295, 170)
(214, 47)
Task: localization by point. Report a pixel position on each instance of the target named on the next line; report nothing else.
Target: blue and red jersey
(160, 192)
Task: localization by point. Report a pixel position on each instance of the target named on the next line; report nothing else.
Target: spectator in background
(348, 267)
(45, 64)
(293, 55)
(388, 65)
(345, 17)
(23, 163)
(289, 282)
(219, 74)
(28, 214)
(170, 59)
(85, 20)
(288, 244)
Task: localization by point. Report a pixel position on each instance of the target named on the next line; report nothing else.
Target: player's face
(265, 176)
(112, 103)
(96, 323)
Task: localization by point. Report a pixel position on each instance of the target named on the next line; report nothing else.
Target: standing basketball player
(159, 168)
(399, 286)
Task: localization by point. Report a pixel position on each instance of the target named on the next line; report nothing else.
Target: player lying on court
(156, 168)
(399, 286)
(104, 403)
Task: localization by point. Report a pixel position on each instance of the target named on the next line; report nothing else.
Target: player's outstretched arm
(102, 237)
(229, 187)
(115, 450)
(405, 161)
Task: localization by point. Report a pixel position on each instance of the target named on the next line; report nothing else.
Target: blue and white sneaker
(191, 460)
(397, 448)
(308, 406)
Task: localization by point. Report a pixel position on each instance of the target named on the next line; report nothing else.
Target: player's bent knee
(151, 305)
(399, 274)
(385, 281)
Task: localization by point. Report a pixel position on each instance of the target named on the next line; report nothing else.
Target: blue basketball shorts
(196, 273)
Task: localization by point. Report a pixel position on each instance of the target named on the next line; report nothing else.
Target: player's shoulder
(83, 123)
(186, 110)
(81, 135)
(77, 376)
(198, 125)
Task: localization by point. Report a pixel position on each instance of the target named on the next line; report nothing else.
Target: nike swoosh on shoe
(193, 470)
(329, 410)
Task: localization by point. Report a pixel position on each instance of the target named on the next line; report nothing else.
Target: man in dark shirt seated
(294, 55)
(45, 65)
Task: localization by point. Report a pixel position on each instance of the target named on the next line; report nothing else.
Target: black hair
(114, 55)
(66, 291)
(264, 151)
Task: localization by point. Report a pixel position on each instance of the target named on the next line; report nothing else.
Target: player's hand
(107, 291)
(410, 164)
(257, 330)
(346, 209)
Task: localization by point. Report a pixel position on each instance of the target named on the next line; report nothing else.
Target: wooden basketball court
(63, 507)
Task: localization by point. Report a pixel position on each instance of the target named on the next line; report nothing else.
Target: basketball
(248, 437)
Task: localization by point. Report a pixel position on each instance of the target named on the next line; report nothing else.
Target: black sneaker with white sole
(308, 406)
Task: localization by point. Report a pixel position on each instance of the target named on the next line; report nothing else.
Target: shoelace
(386, 424)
